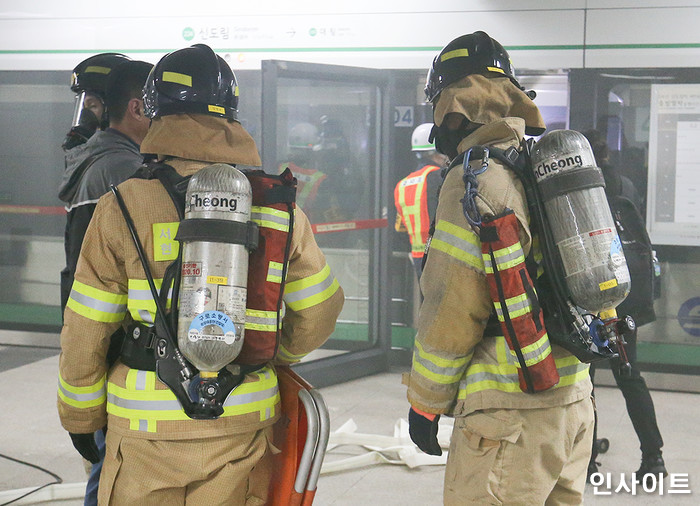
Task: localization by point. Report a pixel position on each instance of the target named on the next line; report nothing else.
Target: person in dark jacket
(108, 157)
(640, 406)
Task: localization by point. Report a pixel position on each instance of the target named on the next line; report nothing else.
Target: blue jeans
(94, 478)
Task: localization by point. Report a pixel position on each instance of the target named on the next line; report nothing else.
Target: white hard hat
(303, 136)
(419, 139)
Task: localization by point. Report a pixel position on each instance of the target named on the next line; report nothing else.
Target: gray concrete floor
(30, 431)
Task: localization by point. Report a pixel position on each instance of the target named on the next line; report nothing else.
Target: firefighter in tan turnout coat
(507, 446)
(155, 453)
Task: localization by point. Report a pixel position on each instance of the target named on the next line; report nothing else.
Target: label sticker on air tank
(616, 255)
(206, 321)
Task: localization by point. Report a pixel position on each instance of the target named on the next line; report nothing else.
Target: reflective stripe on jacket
(411, 200)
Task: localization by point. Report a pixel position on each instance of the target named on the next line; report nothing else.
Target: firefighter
(156, 453)
(415, 196)
(507, 446)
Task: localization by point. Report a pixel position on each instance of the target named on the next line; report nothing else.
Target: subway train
(351, 79)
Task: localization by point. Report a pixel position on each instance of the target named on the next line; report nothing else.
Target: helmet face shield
(89, 109)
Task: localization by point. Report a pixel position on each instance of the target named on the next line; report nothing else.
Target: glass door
(324, 122)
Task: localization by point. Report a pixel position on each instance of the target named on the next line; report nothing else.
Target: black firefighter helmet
(89, 83)
(193, 80)
(474, 53)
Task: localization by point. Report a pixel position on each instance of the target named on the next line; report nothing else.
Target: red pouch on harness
(516, 304)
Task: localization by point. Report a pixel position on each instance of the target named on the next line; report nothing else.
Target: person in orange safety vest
(415, 196)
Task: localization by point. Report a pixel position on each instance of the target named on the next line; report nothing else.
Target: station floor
(372, 406)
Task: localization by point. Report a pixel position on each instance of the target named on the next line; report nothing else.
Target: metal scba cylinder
(213, 289)
(573, 191)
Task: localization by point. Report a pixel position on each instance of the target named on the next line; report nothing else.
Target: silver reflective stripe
(92, 303)
(304, 293)
(145, 315)
(452, 372)
(165, 405)
(512, 307)
(261, 217)
(570, 370)
(145, 294)
(92, 396)
(532, 355)
(470, 379)
(140, 383)
(237, 400)
(509, 257)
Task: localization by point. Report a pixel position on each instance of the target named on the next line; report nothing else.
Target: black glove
(86, 446)
(423, 432)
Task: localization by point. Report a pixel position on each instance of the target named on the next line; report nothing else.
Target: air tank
(213, 288)
(573, 191)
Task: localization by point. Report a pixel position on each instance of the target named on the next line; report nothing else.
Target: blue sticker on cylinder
(616, 254)
(212, 318)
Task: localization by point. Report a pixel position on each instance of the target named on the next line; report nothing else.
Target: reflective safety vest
(308, 183)
(411, 200)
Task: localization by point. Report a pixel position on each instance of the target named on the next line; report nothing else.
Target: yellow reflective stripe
(310, 291)
(269, 217)
(509, 256)
(97, 305)
(437, 369)
(454, 54)
(459, 243)
(177, 78)
(142, 307)
(274, 272)
(504, 377)
(82, 397)
(97, 69)
(517, 306)
(571, 374)
(146, 407)
(284, 354)
(535, 352)
(481, 377)
(265, 321)
(496, 69)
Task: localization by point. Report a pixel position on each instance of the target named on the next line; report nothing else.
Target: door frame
(359, 363)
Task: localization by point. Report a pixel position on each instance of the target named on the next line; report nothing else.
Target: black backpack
(641, 261)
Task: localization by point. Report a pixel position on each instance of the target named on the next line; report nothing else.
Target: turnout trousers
(224, 470)
(520, 456)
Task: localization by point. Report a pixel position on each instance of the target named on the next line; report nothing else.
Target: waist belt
(138, 350)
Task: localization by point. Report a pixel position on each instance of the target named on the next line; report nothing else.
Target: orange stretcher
(302, 434)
